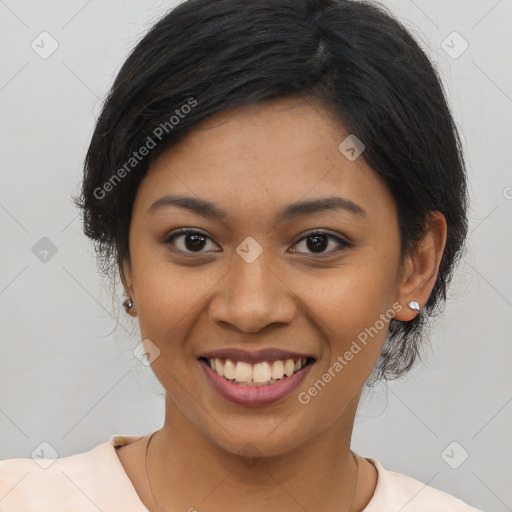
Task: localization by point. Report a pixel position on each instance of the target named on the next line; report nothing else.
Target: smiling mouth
(259, 374)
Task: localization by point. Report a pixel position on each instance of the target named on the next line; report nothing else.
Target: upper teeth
(260, 372)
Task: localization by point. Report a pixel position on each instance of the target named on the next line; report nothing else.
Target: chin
(251, 439)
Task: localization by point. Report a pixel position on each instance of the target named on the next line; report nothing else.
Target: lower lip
(254, 396)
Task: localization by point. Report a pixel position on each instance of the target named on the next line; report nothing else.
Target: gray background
(68, 375)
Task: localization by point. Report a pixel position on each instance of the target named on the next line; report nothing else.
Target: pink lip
(251, 396)
(256, 356)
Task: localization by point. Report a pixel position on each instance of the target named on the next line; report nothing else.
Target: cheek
(168, 304)
(161, 296)
(352, 315)
(352, 307)
(171, 300)
(350, 322)
(351, 297)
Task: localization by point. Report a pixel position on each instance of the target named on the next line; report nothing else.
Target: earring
(128, 304)
(414, 305)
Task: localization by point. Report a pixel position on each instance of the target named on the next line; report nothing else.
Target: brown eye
(318, 241)
(192, 241)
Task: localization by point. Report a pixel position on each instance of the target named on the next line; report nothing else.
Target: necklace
(159, 508)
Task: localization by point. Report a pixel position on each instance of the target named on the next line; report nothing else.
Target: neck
(188, 470)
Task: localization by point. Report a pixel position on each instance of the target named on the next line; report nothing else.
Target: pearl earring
(128, 304)
(414, 305)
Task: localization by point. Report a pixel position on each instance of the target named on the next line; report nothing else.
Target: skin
(251, 162)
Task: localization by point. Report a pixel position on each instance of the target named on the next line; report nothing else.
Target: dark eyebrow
(210, 210)
(200, 206)
(293, 210)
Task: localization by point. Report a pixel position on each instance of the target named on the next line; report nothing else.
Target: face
(313, 282)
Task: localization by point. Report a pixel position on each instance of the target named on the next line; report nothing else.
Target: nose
(253, 296)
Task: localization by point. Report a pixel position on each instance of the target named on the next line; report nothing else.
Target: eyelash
(343, 244)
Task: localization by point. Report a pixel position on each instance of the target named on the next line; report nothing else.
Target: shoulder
(395, 491)
(83, 482)
(29, 485)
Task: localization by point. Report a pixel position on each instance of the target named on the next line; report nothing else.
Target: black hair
(205, 56)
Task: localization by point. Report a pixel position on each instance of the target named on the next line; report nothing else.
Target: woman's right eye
(191, 240)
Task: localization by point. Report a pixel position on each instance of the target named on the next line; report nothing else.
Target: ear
(420, 269)
(125, 272)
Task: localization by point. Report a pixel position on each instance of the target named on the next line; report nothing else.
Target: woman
(281, 187)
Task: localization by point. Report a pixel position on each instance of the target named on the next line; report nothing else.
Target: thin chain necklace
(156, 503)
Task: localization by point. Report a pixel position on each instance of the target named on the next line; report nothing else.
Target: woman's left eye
(193, 241)
(319, 240)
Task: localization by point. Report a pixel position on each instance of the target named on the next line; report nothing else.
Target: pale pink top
(96, 480)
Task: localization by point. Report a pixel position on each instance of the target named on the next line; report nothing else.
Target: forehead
(282, 130)
(263, 156)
